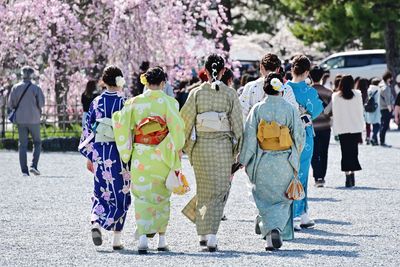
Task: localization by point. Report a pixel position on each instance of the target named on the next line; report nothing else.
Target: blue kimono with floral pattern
(307, 97)
(111, 196)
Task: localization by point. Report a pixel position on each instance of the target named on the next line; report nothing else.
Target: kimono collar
(153, 92)
(106, 92)
(298, 84)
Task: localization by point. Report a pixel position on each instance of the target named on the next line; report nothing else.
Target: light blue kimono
(270, 172)
(307, 97)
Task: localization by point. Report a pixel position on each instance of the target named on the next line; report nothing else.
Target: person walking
(213, 132)
(27, 100)
(386, 106)
(348, 124)
(372, 114)
(273, 140)
(149, 133)
(111, 196)
(87, 97)
(322, 128)
(310, 107)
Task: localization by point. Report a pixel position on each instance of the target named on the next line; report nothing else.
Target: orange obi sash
(272, 136)
(151, 131)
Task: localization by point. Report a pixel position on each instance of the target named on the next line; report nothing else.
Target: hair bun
(110, 74)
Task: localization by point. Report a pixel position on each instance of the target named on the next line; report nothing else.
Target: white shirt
(348, 114)
(253, 93)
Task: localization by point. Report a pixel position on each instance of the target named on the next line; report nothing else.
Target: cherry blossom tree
(69, 41)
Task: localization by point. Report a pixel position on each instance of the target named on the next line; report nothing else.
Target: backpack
(371, 105)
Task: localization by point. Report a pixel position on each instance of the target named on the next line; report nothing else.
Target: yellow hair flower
(143, 79)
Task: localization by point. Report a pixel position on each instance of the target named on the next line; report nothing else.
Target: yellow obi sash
(272, 136)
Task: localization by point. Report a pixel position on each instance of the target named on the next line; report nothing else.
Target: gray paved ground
(44, 220)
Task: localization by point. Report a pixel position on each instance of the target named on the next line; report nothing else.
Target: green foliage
(340, 24)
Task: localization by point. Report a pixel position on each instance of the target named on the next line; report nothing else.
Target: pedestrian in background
(28, 100)
(348, 124)
(322, 128)
(373, 117)
(386, 106)
(87, 97)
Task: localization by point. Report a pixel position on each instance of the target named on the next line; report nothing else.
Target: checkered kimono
(211, 154)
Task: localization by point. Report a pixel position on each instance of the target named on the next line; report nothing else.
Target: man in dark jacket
(322, 128)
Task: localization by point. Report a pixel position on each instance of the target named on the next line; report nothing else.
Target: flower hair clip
(277, 85)
(120, 81)
(143, 79)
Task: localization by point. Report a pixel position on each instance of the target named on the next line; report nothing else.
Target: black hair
(228, 74)
(91, 87)
(337, 82)
(316, 74)
(268, 89)
(109, 75)
(288, 76)
(375, 81)
(387, 75)
(362, 85)
(301, 64)
(244, 79)
(155, 75)
(270, 62)
(346, 87)
(144, 66)
(214, 64)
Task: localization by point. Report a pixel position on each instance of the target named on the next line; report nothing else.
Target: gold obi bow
(272, 136)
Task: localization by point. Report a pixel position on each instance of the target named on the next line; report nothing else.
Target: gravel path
(44, 220)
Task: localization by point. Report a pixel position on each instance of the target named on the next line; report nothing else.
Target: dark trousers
(319, 161)
(375, 130)
(23, 132)
(385, 120)
(349, 147)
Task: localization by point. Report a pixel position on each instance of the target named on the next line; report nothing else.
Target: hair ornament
(143, 79)
(277, 85)
(120, 81)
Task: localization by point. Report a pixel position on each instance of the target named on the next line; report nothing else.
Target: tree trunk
(224, 40)
(392, 48)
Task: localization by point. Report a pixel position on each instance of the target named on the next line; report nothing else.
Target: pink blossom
(108, 163)
(107, 176)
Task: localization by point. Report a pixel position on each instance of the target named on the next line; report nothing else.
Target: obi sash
(151, 131)
(104, 131)
(212, 122)
(272, 136)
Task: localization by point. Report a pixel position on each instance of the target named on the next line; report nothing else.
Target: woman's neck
(297, 79)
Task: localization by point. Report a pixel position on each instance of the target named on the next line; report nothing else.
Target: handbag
(295, 190)
(13, 114)
(176, 182)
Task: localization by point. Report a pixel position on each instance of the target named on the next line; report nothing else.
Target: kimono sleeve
(188, 114)
(250, 143)
(236, 124)
(88, 132)
(314, 105)
(298, 137)
(173, 143)
(122, 126)
(245, 100)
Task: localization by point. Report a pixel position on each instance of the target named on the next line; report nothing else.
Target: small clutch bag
(295, 190)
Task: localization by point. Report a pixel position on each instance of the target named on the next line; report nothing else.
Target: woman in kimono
(310, 107)
(272, 144)
(213, 131)
(149, 132)
(111, 197)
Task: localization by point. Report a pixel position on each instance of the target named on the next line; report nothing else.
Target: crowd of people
(275, 126)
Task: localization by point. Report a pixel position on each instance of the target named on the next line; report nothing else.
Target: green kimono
(150, 164)
(211, 153)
